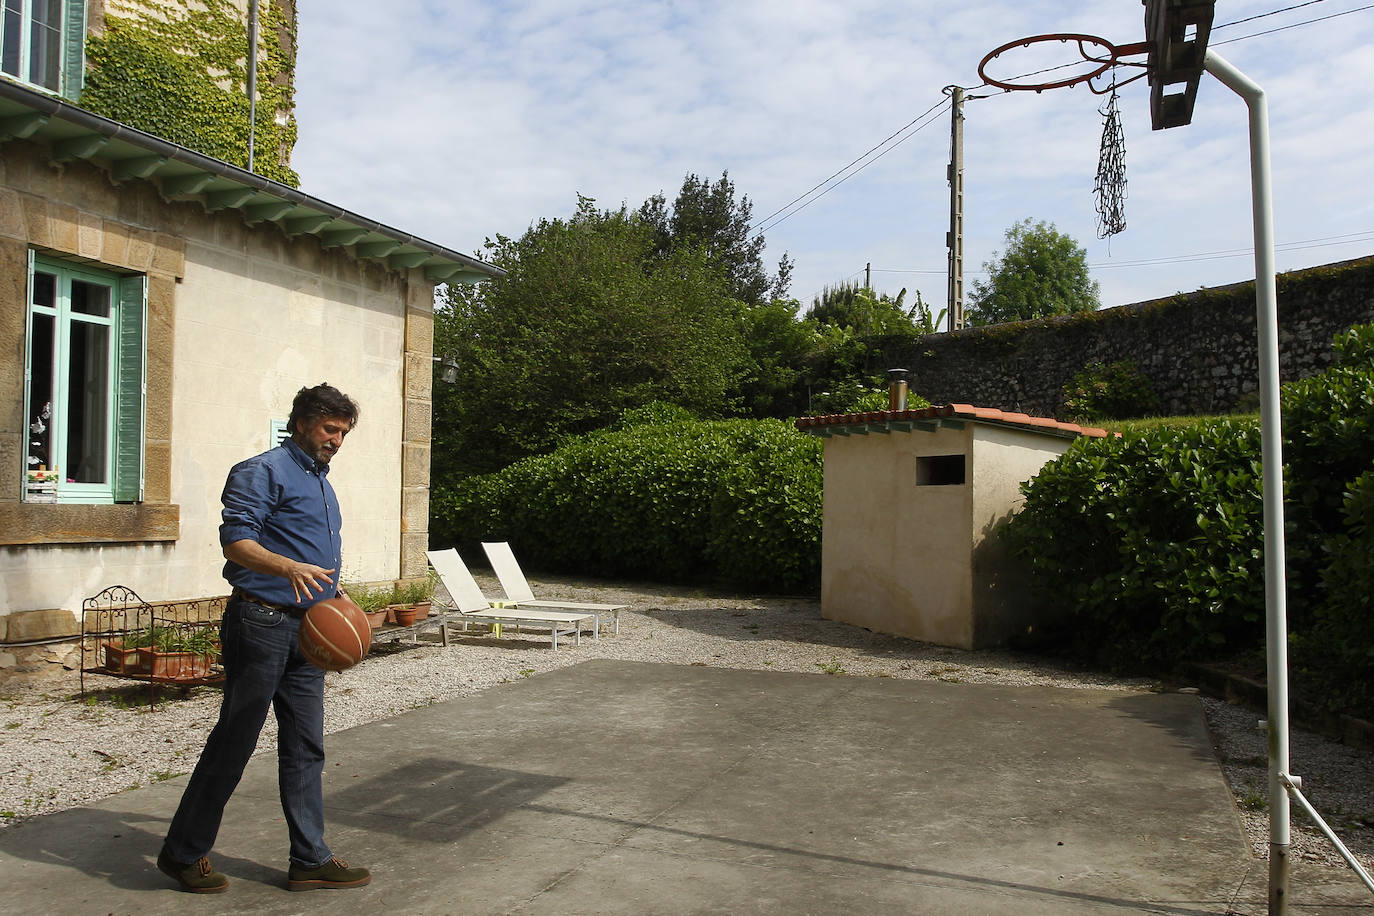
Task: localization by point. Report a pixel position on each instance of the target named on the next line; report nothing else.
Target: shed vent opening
(940, 471)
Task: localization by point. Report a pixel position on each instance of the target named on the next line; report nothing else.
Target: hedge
(670, 499)
(1153, 543)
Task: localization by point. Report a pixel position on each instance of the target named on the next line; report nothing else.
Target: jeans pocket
(260, 616)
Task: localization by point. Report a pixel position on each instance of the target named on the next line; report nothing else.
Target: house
(912, 502)
(160, 310)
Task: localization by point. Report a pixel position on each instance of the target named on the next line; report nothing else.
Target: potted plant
(178, 652)
(397, 602)
(374, 601)
(411, 600)
(122, 654)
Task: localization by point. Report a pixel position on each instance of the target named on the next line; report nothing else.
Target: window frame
(70, 53)
(125, 380)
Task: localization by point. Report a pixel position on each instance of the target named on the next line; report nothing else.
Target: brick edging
(1233, 688)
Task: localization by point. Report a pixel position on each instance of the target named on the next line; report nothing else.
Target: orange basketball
(335, 634)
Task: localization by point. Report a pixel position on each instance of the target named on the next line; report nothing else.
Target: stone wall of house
(1198, 350)
(238, 318)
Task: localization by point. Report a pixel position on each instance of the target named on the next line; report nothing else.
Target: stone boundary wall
(1199, 350)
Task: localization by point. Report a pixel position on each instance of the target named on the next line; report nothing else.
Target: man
(280, 536)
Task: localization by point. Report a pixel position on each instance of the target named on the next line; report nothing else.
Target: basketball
(335, 634)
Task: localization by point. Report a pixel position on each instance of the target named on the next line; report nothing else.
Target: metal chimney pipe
(896, 398)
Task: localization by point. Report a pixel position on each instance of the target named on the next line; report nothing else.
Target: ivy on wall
(181, 73)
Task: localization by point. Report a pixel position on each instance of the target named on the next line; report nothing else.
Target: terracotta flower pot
(175, 666)
(404, 615)
(122, 660)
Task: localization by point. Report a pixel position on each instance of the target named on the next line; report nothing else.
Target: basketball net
(1110, 189)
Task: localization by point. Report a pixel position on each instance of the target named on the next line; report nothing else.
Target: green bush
(1328, 423)
(882, 400)
(1336, 655)
(1151, 543)
(683, 500)
(1117, 391)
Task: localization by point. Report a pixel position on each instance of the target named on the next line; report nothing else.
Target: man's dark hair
(324, 400)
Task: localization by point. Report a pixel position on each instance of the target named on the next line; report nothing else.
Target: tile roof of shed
(990, 415)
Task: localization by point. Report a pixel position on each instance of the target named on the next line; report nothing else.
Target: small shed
(912, 500)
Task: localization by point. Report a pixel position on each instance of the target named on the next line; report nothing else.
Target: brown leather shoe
(334, 873)
(198, 877)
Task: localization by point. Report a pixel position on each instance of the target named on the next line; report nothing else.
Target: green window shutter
(28, 376)
(73, 48)
(133, 306)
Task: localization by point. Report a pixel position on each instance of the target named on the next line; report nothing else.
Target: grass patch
(1252, 799)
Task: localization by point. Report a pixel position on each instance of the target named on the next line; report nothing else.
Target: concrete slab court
(631, 788)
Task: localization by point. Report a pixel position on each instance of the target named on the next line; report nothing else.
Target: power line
(1348, 238)
(1286, 9)
(768, 222)
(841, 171)
(1284, 28)
(782, 213)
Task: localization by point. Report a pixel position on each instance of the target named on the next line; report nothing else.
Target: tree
(780, 348)
(1041, 272)
(864, 313)
(587, 322)
(706, 215)
(853, 325)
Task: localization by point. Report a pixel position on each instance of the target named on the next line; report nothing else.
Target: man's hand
(306, 578)
(305, 575)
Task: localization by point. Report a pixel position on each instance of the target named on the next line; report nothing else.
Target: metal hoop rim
(1114, 53)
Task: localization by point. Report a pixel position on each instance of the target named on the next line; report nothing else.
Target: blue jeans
(263, 667)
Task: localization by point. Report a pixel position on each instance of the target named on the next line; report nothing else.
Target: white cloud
(459, 120)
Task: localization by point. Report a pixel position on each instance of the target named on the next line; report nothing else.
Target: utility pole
(954, 240)
(868, 275)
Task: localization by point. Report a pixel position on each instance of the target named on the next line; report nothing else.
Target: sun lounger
(466, 598)
(517, 589)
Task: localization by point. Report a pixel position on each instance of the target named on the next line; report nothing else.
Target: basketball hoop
(1107, 56)
(1102, 56)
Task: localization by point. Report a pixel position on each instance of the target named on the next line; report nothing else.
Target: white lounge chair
(513, 583)
(467, 600)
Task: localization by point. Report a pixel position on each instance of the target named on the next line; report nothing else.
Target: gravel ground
(61, 750)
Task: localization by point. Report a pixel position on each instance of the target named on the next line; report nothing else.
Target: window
(940, 471)
(42, 43)
(83, 393)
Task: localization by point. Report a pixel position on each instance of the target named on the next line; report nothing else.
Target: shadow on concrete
(112, 846)
(115, 847)
(1188, 732)
(448, 797)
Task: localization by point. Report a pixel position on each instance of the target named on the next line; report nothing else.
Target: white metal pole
(252, 77)
(1271, 449)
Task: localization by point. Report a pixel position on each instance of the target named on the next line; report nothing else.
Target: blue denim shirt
(282, 500)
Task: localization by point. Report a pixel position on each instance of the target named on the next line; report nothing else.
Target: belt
(254, 599)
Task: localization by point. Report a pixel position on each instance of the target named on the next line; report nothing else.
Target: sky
(457, 120)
